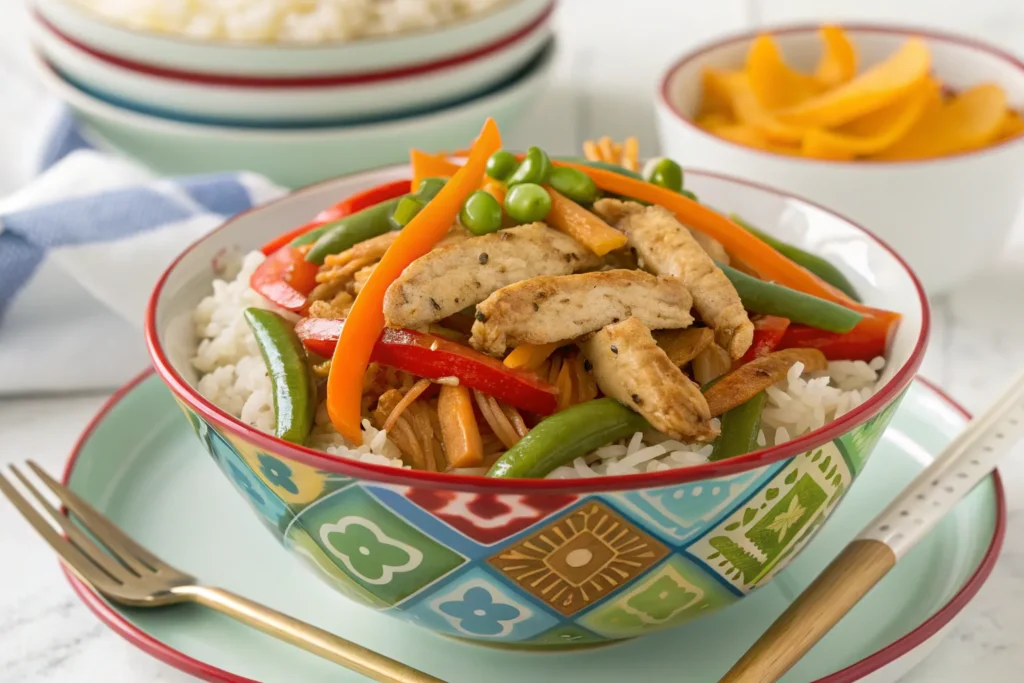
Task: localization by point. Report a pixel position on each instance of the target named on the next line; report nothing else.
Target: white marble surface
(603, 86)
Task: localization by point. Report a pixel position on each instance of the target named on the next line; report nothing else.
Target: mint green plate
(140, 464)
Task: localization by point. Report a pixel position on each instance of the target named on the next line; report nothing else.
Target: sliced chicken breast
(464, 273)
(629, 366)
(551, 309)
(665, 247)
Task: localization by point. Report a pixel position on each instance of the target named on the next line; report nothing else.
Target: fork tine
(72, 557)
(84, 544)
(131, 553)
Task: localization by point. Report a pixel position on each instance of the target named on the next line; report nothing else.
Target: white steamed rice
(233, 377)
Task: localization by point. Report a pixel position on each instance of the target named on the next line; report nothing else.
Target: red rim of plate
(747, 36)
(888, 654)
(461, 482)
(362, 78)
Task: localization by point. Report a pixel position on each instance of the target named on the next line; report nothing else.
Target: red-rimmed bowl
(259, 61)
(948, 216)
(547, 563)
(222, 99)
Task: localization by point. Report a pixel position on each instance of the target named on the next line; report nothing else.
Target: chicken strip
(630, 367)
(614, 210)
(552, 309)
(453, 277)
(666, 247)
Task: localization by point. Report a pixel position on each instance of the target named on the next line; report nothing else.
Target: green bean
(481, 214)
(574, 184)
(565, 436)
(527, 203)
(502, 165)
(603, 165)
(536, 168)
(664, 172)
(372, 221)
(293, 387)
(812, 262)
(772, 299)
(405, 211)
(740, 427)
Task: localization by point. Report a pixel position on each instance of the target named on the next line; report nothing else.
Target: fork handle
(306, 636)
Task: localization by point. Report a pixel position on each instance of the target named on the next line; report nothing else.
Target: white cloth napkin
(81, 248)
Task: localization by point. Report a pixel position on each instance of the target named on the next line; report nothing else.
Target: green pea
(527, 203)
(665, 173)
(536, 168)
(502, 164)
(405, 211)
(574, 184)
(481, 213)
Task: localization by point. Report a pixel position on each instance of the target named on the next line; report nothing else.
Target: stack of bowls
(297, 113)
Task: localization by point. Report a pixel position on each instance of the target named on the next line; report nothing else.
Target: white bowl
(266, 60)
(299, 156)
(217, 100)
(948, 216)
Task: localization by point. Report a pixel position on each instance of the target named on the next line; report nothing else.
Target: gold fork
(128, 574)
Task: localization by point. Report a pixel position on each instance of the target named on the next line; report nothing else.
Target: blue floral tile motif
(682, 513)
(277, 473)
(477, 606)
(270, 508)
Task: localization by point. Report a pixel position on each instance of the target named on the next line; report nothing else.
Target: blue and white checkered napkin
(80, 250)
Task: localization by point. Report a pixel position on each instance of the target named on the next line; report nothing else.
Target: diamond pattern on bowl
(578, 559)
(487, 517)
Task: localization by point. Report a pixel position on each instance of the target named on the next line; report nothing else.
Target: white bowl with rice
(740, 520)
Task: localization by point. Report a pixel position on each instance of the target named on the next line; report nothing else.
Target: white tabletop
(609, 56)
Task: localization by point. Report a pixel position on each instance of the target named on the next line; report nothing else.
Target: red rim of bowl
(886, 655)
(393, 475)
(746, 36)
(362, 78)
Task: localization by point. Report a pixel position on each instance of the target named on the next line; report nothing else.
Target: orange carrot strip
(425, 165)
(459, 430)
(530, 356)
(496, 189)
(586, 228)
(366, 319)
(564, 385)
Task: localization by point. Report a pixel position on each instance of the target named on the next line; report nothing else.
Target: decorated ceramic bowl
(546, 563)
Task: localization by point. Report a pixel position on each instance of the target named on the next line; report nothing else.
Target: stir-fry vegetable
(817, 265)
(311, 232)
(602, 165)
(433, 357)
(405, 211)
(860, 343)
(459, 431)
(366, 318)
(286, 362)
(582, 225)
(772, 299)
(368, 223)
(710, 364)
(502, 165)
(530, 356)
(768, 333)
(747, 381)
(527, 203)
(740, 427)
(481, 214)
(574, 184)
(664, 172)
(285, 278)
(536, 168)
(570, 434)
(426, 165)
(682, 346)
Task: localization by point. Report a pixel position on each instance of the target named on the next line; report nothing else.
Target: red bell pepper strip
(860, 343)
(346, 207)
(768, 332)
(433, 357)
(285, 278)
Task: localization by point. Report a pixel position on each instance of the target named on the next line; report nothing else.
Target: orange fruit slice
(1012, 126)
(868, 92)
(970, 120)
(775, 84)
(877, 131)
(838, 63)
(748, 109)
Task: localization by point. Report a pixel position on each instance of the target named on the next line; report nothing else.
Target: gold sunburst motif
(580, 558)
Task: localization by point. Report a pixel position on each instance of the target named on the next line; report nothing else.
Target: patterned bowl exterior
(547, 570)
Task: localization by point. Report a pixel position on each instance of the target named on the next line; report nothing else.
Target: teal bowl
(544, 564)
